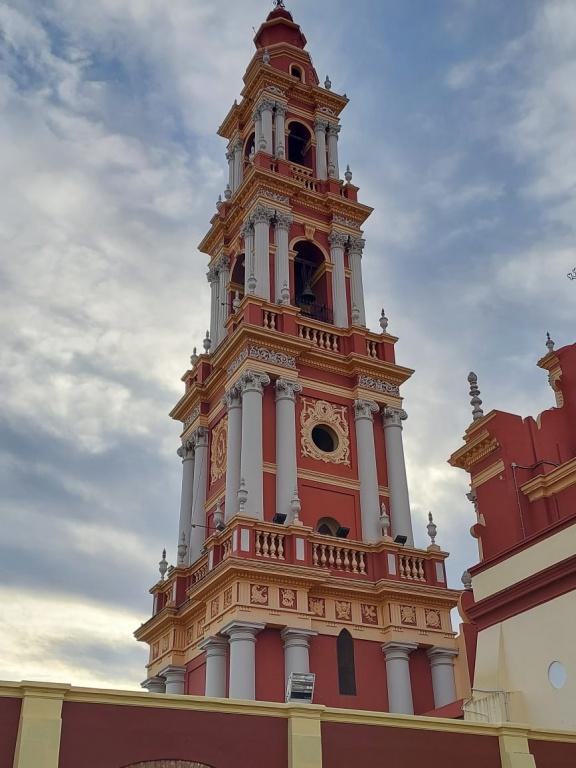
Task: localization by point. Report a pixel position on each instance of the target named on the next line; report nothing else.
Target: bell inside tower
(310, 280)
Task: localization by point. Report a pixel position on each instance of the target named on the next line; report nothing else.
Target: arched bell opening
(299, 144)
(327, 526)
(237, 280)
(311, 282)
(249, 148)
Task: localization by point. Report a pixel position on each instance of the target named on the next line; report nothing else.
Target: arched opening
(327, 526)
(311, 282)
(296, 71)
(249, 148)
(346, 665)
(237, 280)
(299, 144)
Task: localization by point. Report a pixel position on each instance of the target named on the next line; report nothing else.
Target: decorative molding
(393, 417)
(317, 606)
(237, 362)
(364, 409)
(346, 222)
(189, 420)
(287, 390)
(276, 196)
(357, 245)
(186, 450)
(218, 450)
(379, 385)
(288, 598)
(272, 356)
(408, 615)
(259, 594)
(369, 614)
(343, 610)
(262, 214)
(338, 239)
(319, 412)
(432, 618)
(327, 111)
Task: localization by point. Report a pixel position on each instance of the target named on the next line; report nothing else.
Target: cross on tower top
(279, 4)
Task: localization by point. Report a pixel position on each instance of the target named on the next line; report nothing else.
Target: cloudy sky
(460, 132)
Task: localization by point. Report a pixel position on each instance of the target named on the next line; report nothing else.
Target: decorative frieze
(272, 356)
(218, 450)
(408, 615)
(276, 196)
(259, 594)
(317, 413)
(288, 598)
(345, 221)
(369, 614)
(379, 385)
(317, 606)
(432, 617)
(189, 420)
(343, 610)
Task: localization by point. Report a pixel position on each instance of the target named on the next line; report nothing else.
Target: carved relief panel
(324, 431)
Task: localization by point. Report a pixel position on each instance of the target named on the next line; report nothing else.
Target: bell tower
(295, 548)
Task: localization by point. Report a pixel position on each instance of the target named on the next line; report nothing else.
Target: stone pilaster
(238, 164)
(214, 280)
(175, 679)
(216, 649)
(280, 126)
(223, 266)
(364, 411)
(266, 109)
(262, 217)
(197, 529)
(249, 265)
(251, 385)
(233, 402)
(333, 167)
(186, 453)
(286, 472)
(296, 650)
(443, 682)
(320, 127)
(398, 677)
(357, 288)
(282, 261)
(154, 684)
(338, 242)
(397, 480)
(242, 636)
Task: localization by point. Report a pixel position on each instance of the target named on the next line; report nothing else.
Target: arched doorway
(310, 280)
(299, 144)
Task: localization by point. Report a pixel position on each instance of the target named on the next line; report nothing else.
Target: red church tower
(296, 554)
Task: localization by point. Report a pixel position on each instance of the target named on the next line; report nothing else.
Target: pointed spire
(219, 517)
(219, 202)
(163, 565)
(348, 175)
(182, 550)
(384, 521)
(207, 343)
(475, 402)
(327, 83)
(193, 357)
(549, 343)
(383, 321)
(279, 4)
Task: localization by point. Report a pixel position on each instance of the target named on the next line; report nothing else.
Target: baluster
(300, 332)
(339, 558)
(362, 562)
(281, 547)
(331, 556)
(272, 321)
(265, 545)
(354, 561)
(421, 569)
(402, 567)
(315, 554)
(346, 560)
(323, 556)
(258, 543)
(273, 545)
(315, 336)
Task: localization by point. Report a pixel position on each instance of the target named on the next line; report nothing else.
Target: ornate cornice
(378, 385)
(474, 451)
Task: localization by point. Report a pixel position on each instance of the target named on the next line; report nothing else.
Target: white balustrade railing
(269, 544)
(338, 558)
(269, 320)
(412, 568)
(371, 348)
(321, 339)
(304, 176)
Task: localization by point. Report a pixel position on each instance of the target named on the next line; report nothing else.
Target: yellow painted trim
(487, 474)
(552, 483)
(40, 726)
(515, 750)
(305, 739)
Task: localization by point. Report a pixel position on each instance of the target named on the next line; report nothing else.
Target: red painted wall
(9, 718)
(196, 676)
(553, 754)
(270, 666)
(108, 736)
(421, 678)
(346, 745)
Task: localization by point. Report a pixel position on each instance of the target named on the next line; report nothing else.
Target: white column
(215, 649)
(282, 259)
(231, 169)
(338, 241)
(398, 677)
(259, 141)
(286, 475)
(213, 279)
(249, 266)
(333, 168)
(223, 265)
(355, 257)
(262, 217)
(233, 402)
(266, 108)
(242, 636)
(252, 386)
(397, 481)
(321, 166)
(280, 126)
(367, 473)
(443, 682)
(198, 534)
(154, 685)
(186, 453)
(238, 164)
(296, 651)
(175, 678)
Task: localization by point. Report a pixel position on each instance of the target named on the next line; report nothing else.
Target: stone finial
(242, 497)
(549, 343)
(194, 357)
(348, 175)
(218, 516)
(355, 315)
(279, 4)
(228, 192)
(475, 402)
(236, 302)
(467, 580)
(207, 343)
(431, 528)
(285, 294)
(384, 521)
(296, 508)
(327, 83)
(383, 321)
(252, 154)
(219, 202)
(251, 283)
(182, 549)
(163, 565)
(266, 56)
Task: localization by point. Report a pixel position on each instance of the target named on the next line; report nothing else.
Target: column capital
(214, 646)
(266, 104)
(338, 239)
(320, 124)
(186, 450)
(262, 214)
(257, 114)
(247, 229)
(364, 409)
(172, 673)
(297, 637)
(287, 389)
(334, 129)
(438, 655)
(242, 630)
(283, 220)
(393, 650)
(200, 437)
(238, 145)
(232, 398)
(357, 245)
(213, 274)
(252, 381)
(154, 684)
(222, 263)
(393, 417)
(281, 109)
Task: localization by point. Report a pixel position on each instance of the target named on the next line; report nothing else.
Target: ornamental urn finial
(182, 550)
(207, 343)
(549, 343)
(266, 56)
(163, 565)
(227, 192)
(467, 580)
(383, 321)
(285, 294)
(193, 357)
(242, 497)
(218, 517)
(384, 521)
(355, 315)
(475, 401)
(432, 529)
(296, 508)
(236, 302)
(219, 202)
(348, 175)
(251, 283)
(327, 83)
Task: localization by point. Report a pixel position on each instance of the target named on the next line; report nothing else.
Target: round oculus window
(557, 675)
(324, 438)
